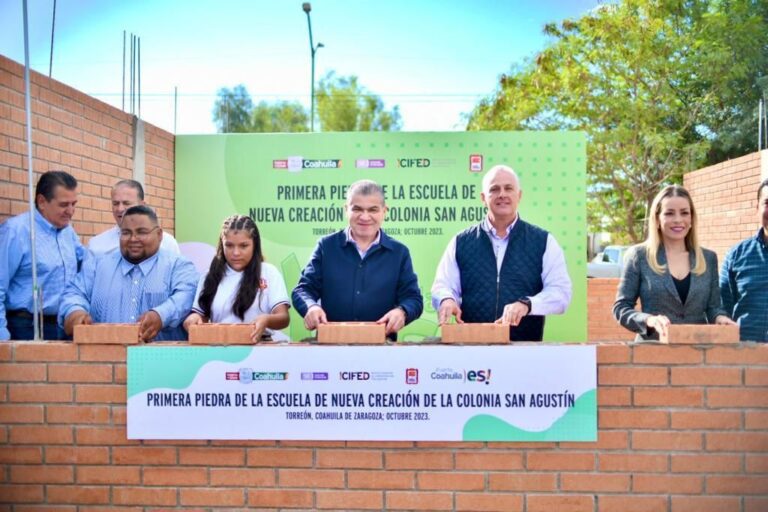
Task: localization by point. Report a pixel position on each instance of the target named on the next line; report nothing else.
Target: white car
(607, 263)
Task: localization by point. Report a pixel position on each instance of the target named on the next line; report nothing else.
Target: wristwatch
(527, 302)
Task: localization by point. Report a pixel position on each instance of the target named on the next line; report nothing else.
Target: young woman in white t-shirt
(240, 287)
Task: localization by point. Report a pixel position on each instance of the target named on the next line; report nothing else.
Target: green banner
(294, 186)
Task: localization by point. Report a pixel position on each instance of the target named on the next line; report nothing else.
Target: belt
(22, 313)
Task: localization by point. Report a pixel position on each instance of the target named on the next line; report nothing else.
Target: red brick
(103, 353)
(77, 494)
(212, 456)
(360, 459)
(142, 454)
(676, 441)
(102, 435)
(667, 484)
(755, 504)
(706, 420)
(123, 495)
(380, 479)
(757, 464)
(613, 354)
(634, 419)
(418, 460)
(76, 455)
(634, 463)
(700, 334)
(703, 376)
(41, 352)
(737, 441)
(606, 440)
(173, 476)
(43, 434)
(100, 393)
(474, 502)
(20, 372)
(756, 376)
(668, 397)
(489, 461)
(280, 498)
(572, 503)
(106, 334)
(345, 500)
(317, 478)
(573, 461)
(21, 414)
(409, 500)
(740, 485)
(212, 497)
(42, 474)
(661, 354)
(21, 493)
(613, 396)
(756, 420)
(447, 481)
(748, 354)
(631, 503)
(594, 482)
(705, 463)
(77, 414)
(736, 397)
(79, 373)
(228, 477)
(273, 457)
(638, 375)
(705, 504)
(21, 455)
(40, 393)
(118, 475)
(522, 482)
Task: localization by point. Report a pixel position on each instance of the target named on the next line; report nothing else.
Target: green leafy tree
(343, 105)
(232, 110)
(284, 116)
(657, 86)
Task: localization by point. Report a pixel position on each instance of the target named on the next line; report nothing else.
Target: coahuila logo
(479, 376)
(247, 375)
(297, 163)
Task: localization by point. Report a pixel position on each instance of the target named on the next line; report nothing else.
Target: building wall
(681, 429)
(725, 196)
(601, 326)
(89, 139)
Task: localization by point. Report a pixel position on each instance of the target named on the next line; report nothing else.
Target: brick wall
(89, 139)
(601, 326)
(725, 196)
(681, 429)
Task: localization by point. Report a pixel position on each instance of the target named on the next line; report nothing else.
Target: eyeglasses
(140, 234)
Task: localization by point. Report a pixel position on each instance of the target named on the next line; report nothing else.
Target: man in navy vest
(504, 269)
(360, 273)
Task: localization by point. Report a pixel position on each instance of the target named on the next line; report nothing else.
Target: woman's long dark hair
(250, 283)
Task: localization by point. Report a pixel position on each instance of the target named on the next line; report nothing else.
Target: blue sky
(435, 59)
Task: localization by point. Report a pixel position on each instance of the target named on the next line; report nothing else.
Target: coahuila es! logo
(450, 374)
(297, 163)
(247, 375)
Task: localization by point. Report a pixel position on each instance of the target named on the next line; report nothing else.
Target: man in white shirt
(503, 269)
(125, 193)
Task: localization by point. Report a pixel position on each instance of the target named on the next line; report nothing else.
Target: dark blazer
(658, 295)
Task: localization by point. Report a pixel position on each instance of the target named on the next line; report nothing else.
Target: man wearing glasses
(139, 284)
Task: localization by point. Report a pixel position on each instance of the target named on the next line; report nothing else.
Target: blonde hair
(654, 240)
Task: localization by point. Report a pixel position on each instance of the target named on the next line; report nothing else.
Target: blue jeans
(22, 329)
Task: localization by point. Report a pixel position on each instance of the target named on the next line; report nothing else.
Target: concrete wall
(681, 429)
(87, 138)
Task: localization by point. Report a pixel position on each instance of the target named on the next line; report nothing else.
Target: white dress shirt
(554, 297)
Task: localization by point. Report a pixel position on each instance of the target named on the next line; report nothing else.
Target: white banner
(392, 393)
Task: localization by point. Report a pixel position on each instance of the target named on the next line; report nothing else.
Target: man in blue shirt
(139, 284)
(58, 252)
(360, 273)
(744, 277)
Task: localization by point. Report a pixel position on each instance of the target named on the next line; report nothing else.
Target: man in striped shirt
(744, 277)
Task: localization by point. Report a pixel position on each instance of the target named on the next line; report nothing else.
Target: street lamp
(313, 50)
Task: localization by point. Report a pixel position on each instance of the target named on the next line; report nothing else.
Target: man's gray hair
(365, 188)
